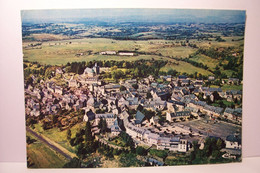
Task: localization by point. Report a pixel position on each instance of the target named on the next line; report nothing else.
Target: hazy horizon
(134, 15)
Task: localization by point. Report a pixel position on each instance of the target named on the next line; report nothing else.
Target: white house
(134, 132)
(126, 53)
(233, 142)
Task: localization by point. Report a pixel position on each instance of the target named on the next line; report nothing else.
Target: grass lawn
(227, 103)
(177, 159)
(226, 87)
(60, 136)
(44, 157)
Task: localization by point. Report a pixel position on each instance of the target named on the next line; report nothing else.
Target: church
(91, 72)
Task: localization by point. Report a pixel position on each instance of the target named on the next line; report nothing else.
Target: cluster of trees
(235, 63)
(30, 121)
(128, 140)
(140, 68)
(215, 53)
(217, 100)
(192, 45)
(144, 68)
(219, 39)
(84, 141)
(172, 72)
(148, 114)
(126, 158)
(159, 153)
(48, 28)
(61, 120)
(76, 67)
(211, 150)
(194, 63)
(40, 71)
(85, 145)
(103, 126)
(30, 140)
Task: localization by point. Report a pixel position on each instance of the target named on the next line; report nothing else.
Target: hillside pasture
(182, 67)
(177, 51)
(60, 137)
(42, 156)
(229, 42)
(45, 37)
(205, 60)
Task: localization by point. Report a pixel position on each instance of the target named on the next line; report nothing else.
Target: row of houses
(143, 135)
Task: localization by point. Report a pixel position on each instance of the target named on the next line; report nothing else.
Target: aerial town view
(108, 88)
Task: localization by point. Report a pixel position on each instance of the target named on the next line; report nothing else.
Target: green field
(205, 60)
(42, 156)
(226, 87)
(61, 53)
(60, 136)
(178, 51)
(64, 51)
(213, 43)
(185, 67)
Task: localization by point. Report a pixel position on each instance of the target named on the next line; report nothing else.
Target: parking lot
(212, 128)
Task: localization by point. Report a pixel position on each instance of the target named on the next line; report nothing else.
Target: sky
(133, 15)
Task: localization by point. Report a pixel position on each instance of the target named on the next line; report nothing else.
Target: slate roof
(229, 110)
(214, 109)
(175, 139)
(161, 86)
(185, 81)
(182, 77)
(177, 102)
(139, 117)
(191, 109)
(199, 103)
(182, 113)
(105, 115)
(136, 129)
(215, 89)
(234, 92)
(115, 127)
(132, 100)
(154, 84)
(90, 115)
(233, 138)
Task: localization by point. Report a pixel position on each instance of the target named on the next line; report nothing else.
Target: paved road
(50, 145)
